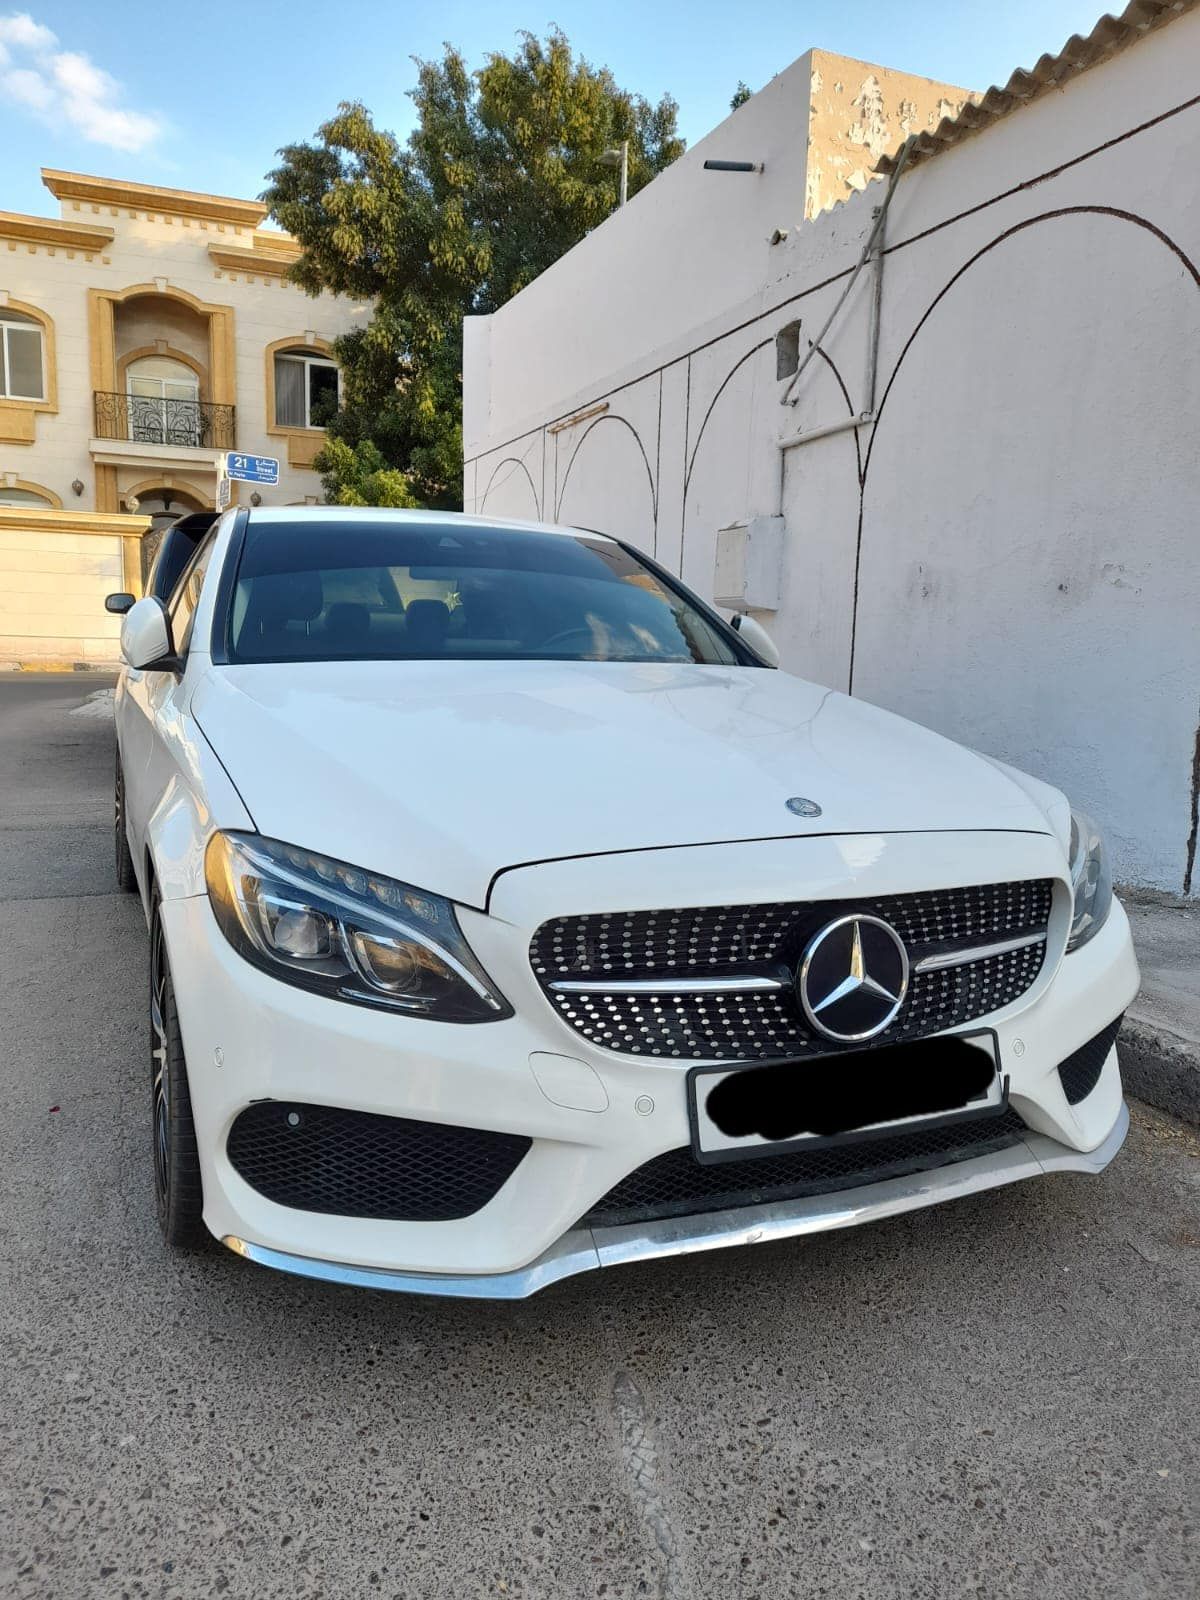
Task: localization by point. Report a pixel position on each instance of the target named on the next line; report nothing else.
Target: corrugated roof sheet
(1110, 35)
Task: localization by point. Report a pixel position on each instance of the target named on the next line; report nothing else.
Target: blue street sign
(252, 469)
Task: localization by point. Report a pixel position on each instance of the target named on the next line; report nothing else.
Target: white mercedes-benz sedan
(510, 916)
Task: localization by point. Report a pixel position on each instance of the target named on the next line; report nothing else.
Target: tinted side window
(178, 546)
(176, 551)
(182, 605)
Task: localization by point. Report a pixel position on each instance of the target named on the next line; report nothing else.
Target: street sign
(252, 469)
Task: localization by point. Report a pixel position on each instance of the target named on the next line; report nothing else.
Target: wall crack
(1190, 865)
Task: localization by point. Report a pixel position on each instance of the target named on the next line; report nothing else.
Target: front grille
(769, 940)
(1080, 1072)
(357, 1164)
(677, 1185)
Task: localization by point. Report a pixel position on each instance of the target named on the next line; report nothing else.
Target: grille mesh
(677, 1185)
(357, 1164)
(1080, 1072)
(759, 1025)
(707, 938)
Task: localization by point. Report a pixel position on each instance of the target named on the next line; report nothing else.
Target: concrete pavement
(997, 1398)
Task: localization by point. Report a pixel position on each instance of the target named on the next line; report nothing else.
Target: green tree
(741, 94)
(357, 475)
(502, 175)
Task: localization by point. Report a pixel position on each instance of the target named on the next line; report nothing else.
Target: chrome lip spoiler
(586, 1249)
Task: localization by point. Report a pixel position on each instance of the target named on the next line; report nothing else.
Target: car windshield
(340, 591)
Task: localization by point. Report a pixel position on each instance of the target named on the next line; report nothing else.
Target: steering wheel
(567, 633)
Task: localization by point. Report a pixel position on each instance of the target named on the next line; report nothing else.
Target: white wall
(1010, 555)
(650, 272)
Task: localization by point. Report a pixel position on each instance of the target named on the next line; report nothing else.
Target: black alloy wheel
(177, 1187)
(126, 877)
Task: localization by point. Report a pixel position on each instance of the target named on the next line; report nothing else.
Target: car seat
(427, 624)
(279, 601)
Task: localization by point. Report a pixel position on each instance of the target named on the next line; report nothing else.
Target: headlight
(1090, 879)
(346, 933)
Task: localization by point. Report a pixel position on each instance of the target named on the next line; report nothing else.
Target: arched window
(307, 388)
(25, 497)
(164, 401)
(22, 362)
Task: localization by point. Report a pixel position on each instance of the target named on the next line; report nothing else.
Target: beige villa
(144, 332)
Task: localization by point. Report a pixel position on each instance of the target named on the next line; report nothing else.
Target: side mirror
(118, 604)
(146, 636)
(756, 636)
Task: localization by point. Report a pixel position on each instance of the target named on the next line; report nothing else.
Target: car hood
(443, 774)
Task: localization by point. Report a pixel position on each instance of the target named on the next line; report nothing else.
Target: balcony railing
(142, 419)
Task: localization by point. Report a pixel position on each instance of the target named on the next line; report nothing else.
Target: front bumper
(586, 1249)
(593, 1116)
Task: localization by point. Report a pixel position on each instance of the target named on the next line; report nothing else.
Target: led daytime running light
(325, 925)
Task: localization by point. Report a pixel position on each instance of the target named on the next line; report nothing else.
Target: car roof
(386, 516)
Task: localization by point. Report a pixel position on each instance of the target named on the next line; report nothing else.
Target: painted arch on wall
(605, 481)
(509, 489)
(732, 470)
(1009, 571)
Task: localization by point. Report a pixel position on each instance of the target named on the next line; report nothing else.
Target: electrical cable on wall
(790, 395)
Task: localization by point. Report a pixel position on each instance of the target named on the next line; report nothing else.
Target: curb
(59, 666)
(1160, 1068)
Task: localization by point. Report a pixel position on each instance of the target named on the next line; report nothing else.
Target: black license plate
(738, 1112)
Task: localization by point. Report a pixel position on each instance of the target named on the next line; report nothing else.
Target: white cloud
(29, 89)
(65, 86)
(89, 99)
(21, 29)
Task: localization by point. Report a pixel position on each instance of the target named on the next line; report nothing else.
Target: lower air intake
(677, 1185)
(356, 1164)
(1080, 1072)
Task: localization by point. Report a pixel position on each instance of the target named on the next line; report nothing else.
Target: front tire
(177, 1187)
(126, 877)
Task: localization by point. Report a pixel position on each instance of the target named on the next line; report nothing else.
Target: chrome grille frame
(717, 983)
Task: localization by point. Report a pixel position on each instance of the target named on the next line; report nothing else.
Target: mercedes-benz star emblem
(853, 978)
(801, 807)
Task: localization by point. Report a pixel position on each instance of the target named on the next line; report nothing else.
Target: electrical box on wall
(749, 565)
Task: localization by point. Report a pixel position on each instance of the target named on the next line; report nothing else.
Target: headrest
(427, 621)
(348, 619)
(288, 596)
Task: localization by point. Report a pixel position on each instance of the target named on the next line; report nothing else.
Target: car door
(153, 702)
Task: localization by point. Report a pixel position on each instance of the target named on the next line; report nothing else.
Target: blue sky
(201, 97)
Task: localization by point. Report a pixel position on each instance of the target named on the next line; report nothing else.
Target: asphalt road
(996, 1398)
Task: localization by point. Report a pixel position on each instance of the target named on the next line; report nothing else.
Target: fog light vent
(1080, 1072)
(357, 1164)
